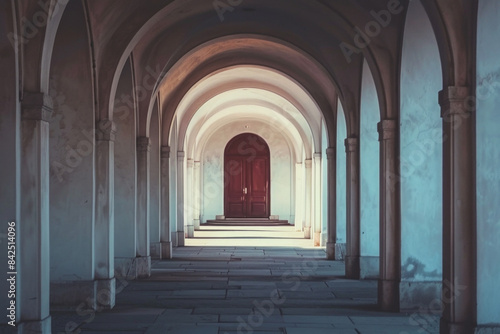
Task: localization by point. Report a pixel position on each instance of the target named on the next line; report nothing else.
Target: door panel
(234, 175)
(257, 192)
(246, 177)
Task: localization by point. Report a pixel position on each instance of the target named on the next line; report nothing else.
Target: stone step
(246, 222)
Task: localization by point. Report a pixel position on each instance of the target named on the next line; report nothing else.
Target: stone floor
(229, 280)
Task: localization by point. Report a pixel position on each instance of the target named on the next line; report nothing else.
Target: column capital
(197, 164)
(36, 106)
(330, 153)
(190, 163)
(387, 129)
(308, 163)
(165, 152)
(105, 130)
(351, 144)
(455, 100)
(181, 154)
(317, 156)
(143, 144)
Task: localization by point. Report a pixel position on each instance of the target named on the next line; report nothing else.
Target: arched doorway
(247, 177)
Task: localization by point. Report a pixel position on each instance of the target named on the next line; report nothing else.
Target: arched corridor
(135, 131)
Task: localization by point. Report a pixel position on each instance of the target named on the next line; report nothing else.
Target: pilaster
(459, 219)
(197, 194)
(104, 207)
(308, 190)
(142, 222)
(189, 200)
(390, 216)
(33, 268)
(331, 155)
(181, 157)
(165, 235)
(353, 230)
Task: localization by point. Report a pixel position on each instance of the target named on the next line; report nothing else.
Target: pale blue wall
(488, 161)
(370, 116)
(421, 150)
(341, 175)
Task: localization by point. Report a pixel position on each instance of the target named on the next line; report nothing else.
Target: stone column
(189, 199)
(197, 194)
(181, 156)
(309, 199)
(143, 260)
(165, 234)
(459, 220)
(331, 154)
(104, 247)
(317, 219)
(390, 216)
(353, 230)
(299, 197)
(33, 267)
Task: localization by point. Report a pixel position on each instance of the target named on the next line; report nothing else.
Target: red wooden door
(247, 177)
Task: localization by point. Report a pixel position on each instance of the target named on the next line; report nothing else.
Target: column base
(190, 231)
(388, 295)
(420, 295)
(369, 267)
(155, 250)
(166, 250)
(106, 293)
(29, 327)
(307, 233)
(132, 268)
(352, 269)
(197, 224)
(330, 251)
(143, 265)
(446, 327)
(340, 251)
(317, 239)
(181, 239)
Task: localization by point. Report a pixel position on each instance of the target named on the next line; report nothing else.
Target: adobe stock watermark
(124, 108)
(425, 317)
(372, 29)
(30, 27)
(425, 148)
(223, 6)
(291, 280)
(86, 311)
